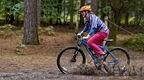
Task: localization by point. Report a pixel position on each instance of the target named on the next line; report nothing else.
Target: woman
(97, 30)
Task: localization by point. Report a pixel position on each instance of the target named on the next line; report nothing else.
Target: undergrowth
(136, 42)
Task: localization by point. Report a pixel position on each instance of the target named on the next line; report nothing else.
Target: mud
(56, 75)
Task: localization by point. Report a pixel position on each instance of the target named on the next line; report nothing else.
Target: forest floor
(38, 62)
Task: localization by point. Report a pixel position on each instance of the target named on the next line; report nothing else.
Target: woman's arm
(93, 24)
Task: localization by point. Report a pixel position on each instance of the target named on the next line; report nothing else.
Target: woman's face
(84, 13)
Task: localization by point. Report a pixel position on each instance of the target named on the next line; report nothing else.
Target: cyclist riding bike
(96, 29)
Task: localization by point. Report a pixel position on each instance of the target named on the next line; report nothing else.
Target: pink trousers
(96, 41)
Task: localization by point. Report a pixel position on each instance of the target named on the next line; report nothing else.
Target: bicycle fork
(74, 55)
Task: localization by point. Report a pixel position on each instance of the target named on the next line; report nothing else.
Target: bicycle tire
(124, 53)
(63, 52)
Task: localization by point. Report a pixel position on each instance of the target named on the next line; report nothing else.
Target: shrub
(6, 31)
(136, 42)
(47, 31)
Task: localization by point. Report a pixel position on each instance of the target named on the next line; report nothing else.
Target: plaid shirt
(94, 24)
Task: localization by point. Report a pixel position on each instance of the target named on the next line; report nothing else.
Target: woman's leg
(95, 41)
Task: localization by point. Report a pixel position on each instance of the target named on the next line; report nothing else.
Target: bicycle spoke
(118, 61)
(69, 59)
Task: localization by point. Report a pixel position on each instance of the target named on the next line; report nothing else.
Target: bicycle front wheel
(70, 58)
(118, 59)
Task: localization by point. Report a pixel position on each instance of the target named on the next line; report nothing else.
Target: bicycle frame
(115, 61)
(83, 42)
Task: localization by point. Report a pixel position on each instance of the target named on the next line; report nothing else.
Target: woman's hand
(86, 37)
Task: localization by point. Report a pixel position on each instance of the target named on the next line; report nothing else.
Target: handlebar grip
(79, 36)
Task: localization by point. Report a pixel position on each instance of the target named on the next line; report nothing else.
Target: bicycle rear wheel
(70, 58)
(118, 60)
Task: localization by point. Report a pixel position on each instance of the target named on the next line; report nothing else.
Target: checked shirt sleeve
(93, 23)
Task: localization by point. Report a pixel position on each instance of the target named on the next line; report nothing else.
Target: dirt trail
(39, 62)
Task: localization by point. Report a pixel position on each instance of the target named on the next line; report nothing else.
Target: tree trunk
(114, 29)
(10, 19)
(94, 6)
(126, 19)
(71, 11)
(116, 5)
(81, 18)
(31, 22)
(59, 10)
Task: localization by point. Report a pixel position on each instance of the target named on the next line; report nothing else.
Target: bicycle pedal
(99, 67)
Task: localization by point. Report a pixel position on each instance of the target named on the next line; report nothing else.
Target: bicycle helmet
(85, 8)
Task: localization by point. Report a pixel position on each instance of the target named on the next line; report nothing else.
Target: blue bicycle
(70, 57)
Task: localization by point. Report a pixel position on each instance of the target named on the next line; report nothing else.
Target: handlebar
(79, 37)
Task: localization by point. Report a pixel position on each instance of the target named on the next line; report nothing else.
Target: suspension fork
(75, 54)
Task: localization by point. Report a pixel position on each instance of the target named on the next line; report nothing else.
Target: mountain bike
(70, 57)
